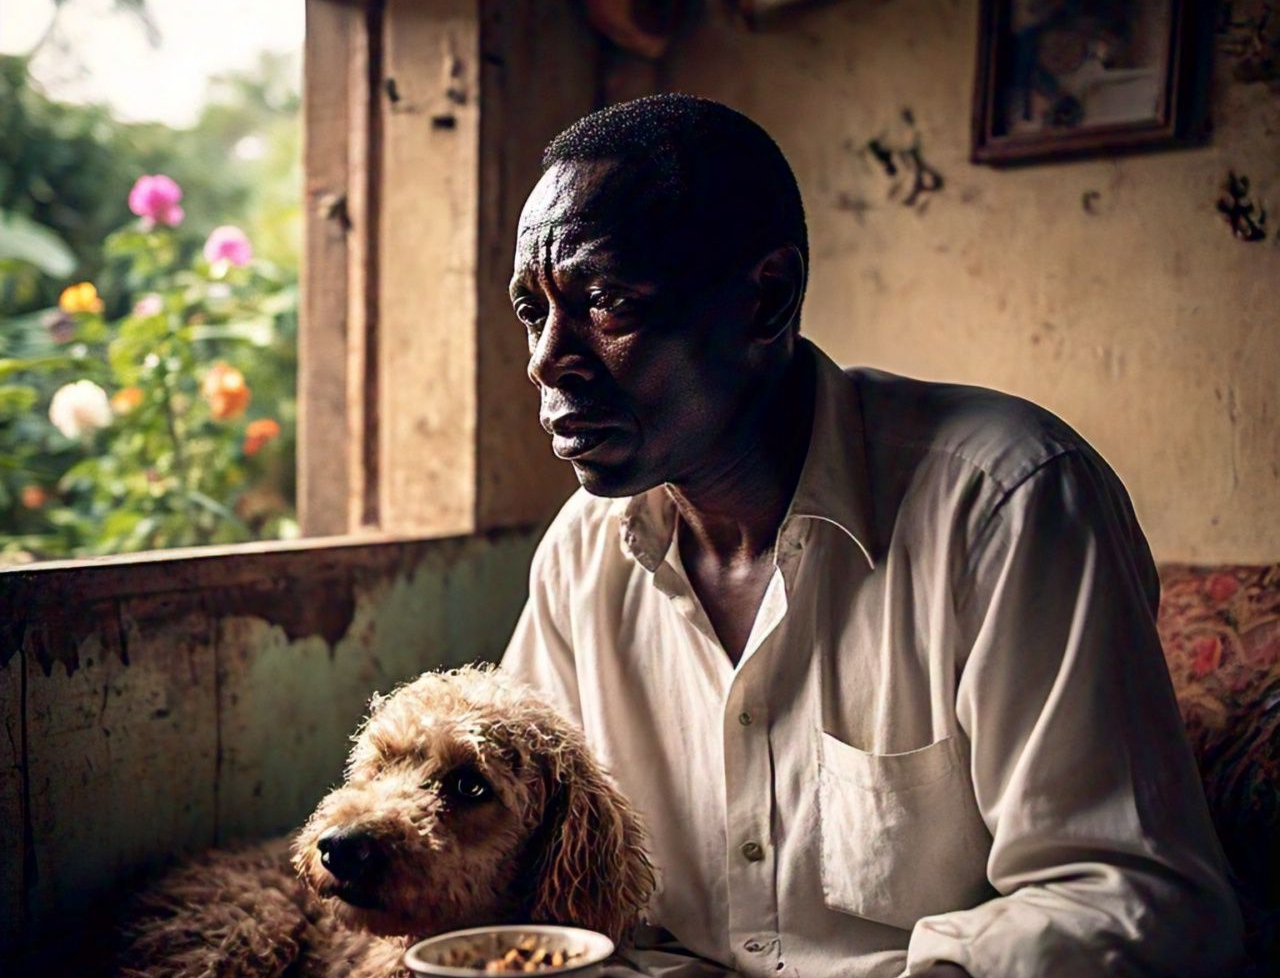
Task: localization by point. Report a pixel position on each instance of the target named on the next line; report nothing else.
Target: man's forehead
(568, 194)
(588, 218)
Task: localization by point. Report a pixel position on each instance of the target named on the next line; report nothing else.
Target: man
(875, 658)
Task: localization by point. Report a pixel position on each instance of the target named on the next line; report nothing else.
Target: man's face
(640, 358)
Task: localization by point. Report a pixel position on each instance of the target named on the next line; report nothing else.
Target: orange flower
(126, 399)
(258, 433)
(81, 297)
(33, 497)
(225, 390)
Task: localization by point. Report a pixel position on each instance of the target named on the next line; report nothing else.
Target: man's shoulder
(1001, 437)
(581, 526)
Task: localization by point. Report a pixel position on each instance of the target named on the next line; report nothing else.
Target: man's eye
(529, 314)
(467, 786)
(612, 302)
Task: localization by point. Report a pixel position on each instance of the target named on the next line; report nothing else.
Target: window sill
(305, 586)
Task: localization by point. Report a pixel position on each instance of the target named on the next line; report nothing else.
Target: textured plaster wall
(1144, 324)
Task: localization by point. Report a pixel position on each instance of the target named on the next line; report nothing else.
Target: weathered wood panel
(121, 746)
(426, 267)
(172, 703)
(288, 706)
(538, 75)
(326, 452)
(12, 821)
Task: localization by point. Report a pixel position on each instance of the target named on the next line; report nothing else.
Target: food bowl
(478, 950)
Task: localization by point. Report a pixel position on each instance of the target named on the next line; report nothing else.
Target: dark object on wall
(903, 163)
(1238, 211)
(1061, 78)
(643, 27)
(756, 9)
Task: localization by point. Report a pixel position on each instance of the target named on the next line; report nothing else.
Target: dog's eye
(466, 785)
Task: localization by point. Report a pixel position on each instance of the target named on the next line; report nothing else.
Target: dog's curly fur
(476, 802)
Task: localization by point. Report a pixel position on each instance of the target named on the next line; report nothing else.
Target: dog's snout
(350, 854)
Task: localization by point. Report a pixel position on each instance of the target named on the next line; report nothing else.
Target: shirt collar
(833, 484)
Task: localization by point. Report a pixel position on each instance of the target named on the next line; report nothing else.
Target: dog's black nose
(350, 854)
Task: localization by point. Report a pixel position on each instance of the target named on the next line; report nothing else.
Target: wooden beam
(429, 116)
(537, 75)
(417, 418)
(324, 483)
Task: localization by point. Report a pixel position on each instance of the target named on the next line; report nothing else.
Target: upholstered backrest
(1221, 632)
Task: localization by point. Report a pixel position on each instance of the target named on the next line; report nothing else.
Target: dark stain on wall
(901, 159)
(1248, 221)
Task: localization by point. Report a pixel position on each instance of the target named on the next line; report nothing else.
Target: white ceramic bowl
(426, 957)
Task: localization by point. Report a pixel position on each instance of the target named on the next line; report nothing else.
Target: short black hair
(721, 172)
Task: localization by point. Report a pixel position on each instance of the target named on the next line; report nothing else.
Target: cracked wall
(1112, 291)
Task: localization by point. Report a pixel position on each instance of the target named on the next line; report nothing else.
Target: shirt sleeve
(540, 652)
(1102, 852)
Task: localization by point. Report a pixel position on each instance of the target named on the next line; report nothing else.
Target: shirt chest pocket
(901, 834)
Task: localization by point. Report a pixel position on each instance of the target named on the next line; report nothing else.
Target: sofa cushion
(1221, 632)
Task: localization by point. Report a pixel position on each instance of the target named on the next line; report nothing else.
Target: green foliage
(177, 460)
(174, 463)
(69, 168)
(23, 241)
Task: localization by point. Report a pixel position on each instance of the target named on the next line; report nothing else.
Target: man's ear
(779, 279)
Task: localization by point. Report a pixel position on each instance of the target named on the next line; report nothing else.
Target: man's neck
(733, 512)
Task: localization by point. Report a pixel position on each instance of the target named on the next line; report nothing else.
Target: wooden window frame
(416, 418)
(422, 137)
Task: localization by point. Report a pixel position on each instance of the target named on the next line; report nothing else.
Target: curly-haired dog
(467, 801)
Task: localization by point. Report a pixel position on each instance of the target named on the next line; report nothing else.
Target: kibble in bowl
(512, 949)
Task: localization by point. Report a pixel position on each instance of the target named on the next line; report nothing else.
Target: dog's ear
(593, 870)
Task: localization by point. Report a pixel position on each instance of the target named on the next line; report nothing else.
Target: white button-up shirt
(951, 735)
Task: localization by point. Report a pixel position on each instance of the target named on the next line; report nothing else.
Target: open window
(164, 701)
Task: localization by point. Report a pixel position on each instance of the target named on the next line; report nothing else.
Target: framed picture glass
(1059, 78)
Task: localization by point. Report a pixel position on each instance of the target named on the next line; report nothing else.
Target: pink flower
(155, 199)
(228, 244)
(149, 305)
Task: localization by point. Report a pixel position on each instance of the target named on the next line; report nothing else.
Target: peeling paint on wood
(51, 609)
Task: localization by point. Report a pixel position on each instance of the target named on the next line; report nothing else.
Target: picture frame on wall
(1063, 78)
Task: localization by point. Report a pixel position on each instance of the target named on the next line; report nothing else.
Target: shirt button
(745, 718)
(752, 851)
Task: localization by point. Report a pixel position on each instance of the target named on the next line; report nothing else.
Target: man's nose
(559, 355)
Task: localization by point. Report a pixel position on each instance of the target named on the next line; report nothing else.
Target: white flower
(79, 408)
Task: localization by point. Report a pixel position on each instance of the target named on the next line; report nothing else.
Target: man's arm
(1102, 850)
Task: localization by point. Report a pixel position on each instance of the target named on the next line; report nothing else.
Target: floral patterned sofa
(1221, 632)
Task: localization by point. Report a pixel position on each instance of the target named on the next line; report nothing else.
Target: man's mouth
(581, 443)
(579, 436)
